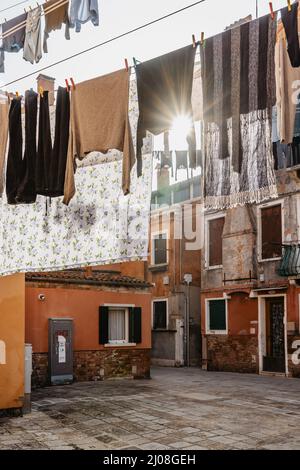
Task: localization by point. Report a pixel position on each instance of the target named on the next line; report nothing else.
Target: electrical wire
(108, 41)
(13, 6)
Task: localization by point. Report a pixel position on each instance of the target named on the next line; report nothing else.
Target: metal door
(60, 350)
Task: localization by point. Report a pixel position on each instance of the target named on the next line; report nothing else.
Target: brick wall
(294, 369)
(232, 353)
(97, 365)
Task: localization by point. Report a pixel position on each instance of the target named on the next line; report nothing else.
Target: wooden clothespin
(73, 83)
(194, 40)
(202, 39)
(67, 84)
(126, 65)
(41, 91)
(17, 94)
(134, 61)
(289, 5)
(271, 10)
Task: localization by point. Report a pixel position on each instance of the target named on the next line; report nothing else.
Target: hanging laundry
(165, 159)
(290, 23)
(181, 161)
(33, 45)
(165, 93)
(4, 110)
(14, 159)
(54, 18)
(238, 78)
(13, 36)
(99, 122)
(83, 11)
(287, 77)
(26, 193)
(42, 173)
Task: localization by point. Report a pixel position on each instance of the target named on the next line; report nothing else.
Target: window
(214, 239)
(216, 316)
(159, 254)
(271, 232)
(120, 325)
(160, 315)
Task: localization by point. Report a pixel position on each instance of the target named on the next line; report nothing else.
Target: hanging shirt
(4, 110)
(54, 18)
(83, 11)
(165, 92)
(100, 122)
(33, 46)
(13, 36)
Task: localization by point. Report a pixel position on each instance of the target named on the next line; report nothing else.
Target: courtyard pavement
(177, 409)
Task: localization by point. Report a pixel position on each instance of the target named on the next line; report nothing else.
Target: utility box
(61, 350)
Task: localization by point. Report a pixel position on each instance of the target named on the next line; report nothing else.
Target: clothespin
(134, 61)
(271, 10)
(202, 39)
(41, 91)
(17, 94)
(67, 84)
(289, 5)
(194, 40)
(126, 65)
(73, 83)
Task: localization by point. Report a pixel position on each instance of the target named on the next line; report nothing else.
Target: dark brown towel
(44, 148)
(14, 159)
(165, 91)
(290, 23)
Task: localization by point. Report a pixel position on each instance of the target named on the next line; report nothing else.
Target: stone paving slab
(186, 409)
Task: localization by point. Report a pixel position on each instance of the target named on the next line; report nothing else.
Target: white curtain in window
(116, 325)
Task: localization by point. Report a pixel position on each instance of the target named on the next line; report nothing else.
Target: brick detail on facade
(232, 353)
(294, 369)
(97, 365)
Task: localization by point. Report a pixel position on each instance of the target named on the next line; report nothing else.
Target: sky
(117, 17)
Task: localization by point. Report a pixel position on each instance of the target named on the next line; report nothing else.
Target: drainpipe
(188, 278)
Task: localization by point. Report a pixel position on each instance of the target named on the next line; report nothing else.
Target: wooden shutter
(271, 232)
(217, 315)
(160, 315)
(103, 325)
(135, 325)
(216, 227)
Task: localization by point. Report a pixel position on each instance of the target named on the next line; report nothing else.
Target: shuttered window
(216, 316)
(271, 232)
(160, 315)
(120, 325)
(215, 248)
(160, 249)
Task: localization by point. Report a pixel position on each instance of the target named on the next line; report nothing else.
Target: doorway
(273, 344)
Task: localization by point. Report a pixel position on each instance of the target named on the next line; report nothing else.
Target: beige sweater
(100, 122)
(4, 110)
(287, 84)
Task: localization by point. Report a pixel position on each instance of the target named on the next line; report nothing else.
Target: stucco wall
(12, 332)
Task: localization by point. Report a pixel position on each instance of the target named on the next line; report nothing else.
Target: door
(274, 360)
(60, 351)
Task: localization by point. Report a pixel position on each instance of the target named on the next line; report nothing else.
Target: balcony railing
(290, 263)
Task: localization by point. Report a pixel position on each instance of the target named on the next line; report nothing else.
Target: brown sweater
(100, 122)
(4, 109)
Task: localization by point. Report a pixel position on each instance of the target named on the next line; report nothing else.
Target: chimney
(47, 83)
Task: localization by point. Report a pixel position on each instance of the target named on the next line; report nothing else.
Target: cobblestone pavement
(177, 409)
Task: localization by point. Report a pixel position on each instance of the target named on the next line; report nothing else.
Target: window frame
(279, 202)
(118, 307)
(208, 218)
(153, 235)
(166, 300)
(208, 331)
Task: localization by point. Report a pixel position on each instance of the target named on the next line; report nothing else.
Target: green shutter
(217, 315)
(135, 325)
(103, 325)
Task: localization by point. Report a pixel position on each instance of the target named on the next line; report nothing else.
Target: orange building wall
(12, 332)
(82, 305)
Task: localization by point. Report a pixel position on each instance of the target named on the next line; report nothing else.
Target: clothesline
(13, 6)
(48, 10)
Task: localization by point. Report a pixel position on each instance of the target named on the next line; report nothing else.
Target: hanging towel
(238, 78)
(44, 153)
(26, 192)
(165, 92)
(99, 122)
(13, 36)
(54, 18)
(290, 23)
(14, 159)
(83, 11)
(58, 161)
(33, 46)
(4, 110)
(287, 84)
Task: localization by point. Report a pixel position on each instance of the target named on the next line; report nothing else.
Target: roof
(91, 277)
